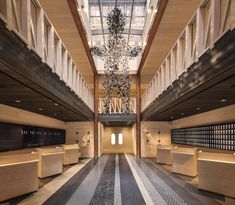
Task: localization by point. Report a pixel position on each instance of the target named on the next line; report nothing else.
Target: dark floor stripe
(184, 192)
(130, 192)
(190, 188)
(66, 191)
(104, 193)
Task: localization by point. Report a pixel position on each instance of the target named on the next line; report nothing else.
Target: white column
(26, 16)
(65, 66)
(215, 19)
(51, 50)
(188, 46)
(59, 58)
(40, 33)
(199, 32)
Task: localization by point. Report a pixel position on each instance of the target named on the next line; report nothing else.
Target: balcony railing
(28, 20)
(116, 106)
(211, 21)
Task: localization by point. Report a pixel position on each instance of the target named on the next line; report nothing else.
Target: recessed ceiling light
(55, 104)
(223, 100)
(182, 113)
(198, 108)
(18, 101)
(40, 109)
(172, 117)
(55, 114)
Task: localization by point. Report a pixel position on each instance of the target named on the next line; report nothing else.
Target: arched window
(113, 138)
(120, 138)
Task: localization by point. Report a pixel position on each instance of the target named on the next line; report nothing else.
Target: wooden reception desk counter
(164, 154)
(51, 161)
(216, 173)
(18, 175)
(184, 161)
(71, 154)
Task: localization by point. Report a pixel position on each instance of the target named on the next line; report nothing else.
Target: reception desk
(71, 154)
(216, 173)
(51, 161)
(18, 175)
(164, 154)
(184, 161)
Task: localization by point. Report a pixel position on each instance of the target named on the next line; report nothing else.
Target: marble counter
(184, 161)
(18, 175)
(164, 154)
(51, 161)
(216, 173)
(71, 154)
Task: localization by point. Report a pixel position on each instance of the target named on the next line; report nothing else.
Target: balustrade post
(188, 46)
(199, 32)
(40, 34)
(215, 19)
(26, 16)
(50, 46)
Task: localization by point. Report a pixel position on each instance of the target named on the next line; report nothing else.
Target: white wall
(222, 115)
(150, 131)
(77, 132)
(126, 147)
(17, 116)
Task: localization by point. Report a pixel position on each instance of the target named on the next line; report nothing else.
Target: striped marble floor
(121, 179)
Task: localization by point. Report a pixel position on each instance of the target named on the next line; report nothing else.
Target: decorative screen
(14, 136)
(212, 136)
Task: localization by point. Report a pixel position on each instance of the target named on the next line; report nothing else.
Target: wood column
(138, 112)
(96, 116)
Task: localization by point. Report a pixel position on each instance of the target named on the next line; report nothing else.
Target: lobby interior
(64, 139)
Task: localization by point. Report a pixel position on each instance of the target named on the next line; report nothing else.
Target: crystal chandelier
(116, 53)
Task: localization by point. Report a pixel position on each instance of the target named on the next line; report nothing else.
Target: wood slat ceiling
(210, 99)
(175, 17)
(62, 19)
(12, 91)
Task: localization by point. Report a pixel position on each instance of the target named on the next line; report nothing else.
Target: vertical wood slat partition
(209, 23)
(28, 20)
(116, 105)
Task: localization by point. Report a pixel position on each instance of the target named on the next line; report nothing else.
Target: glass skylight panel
(137, 19)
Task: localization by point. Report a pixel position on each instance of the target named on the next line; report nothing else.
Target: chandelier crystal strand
(116, 53)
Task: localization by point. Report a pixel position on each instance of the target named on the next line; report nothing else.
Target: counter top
(16, 163)
(185, 153)
(216, 160)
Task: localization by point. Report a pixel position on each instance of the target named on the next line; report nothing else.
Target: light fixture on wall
(120, 138)
(116, 52)
(113, 139)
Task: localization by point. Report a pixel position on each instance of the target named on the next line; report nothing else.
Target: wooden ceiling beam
(77, 19)
(153, 30)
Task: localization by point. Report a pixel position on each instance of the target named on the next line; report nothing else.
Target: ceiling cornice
(77, 19)
(157, 20)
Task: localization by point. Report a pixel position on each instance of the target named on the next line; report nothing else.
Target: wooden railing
(211, 21)
(116, 106)
(28, 20)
